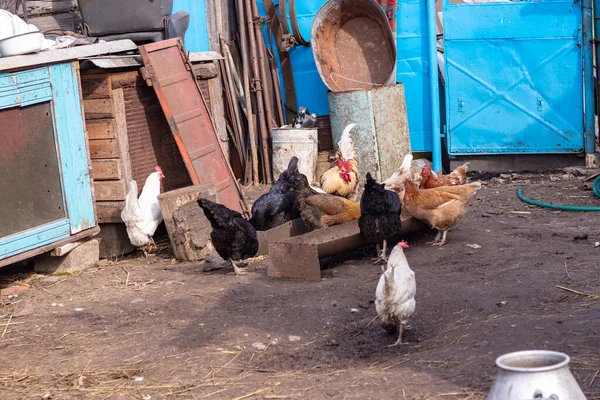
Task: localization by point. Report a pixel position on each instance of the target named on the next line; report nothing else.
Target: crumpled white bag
(11, 25)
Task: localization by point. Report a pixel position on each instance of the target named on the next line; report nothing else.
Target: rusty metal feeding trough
(353, 45)
(298, 256)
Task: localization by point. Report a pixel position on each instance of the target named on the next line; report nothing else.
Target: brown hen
(321, 210)
(442, 208)
(429, 180)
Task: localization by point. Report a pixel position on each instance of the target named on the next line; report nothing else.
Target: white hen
(395, 294)
(142, 215)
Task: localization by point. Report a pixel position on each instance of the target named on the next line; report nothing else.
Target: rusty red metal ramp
(169, 71)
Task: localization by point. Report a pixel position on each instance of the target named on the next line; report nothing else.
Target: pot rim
(501, 361)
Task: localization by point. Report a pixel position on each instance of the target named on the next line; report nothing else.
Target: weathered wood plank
(100, 128)
(127, 79)
(96, 87)
(50, 7)
(72, 53)
(55, 21)
(205, 56)
(109, 212)
(205, 70)
(109, 191)
(44, 249)
(104, 148)
(98, 108)
(121, 133)
(106, 170)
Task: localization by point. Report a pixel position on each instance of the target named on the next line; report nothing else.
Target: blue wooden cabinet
(45, 186)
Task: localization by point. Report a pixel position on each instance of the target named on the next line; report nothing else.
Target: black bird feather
(233, 236)
(279, 205)
(380, 212)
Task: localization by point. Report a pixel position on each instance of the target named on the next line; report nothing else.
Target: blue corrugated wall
(412, 66)
(196, 37)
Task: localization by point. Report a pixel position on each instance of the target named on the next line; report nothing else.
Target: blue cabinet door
(514, 80)
(44, 174)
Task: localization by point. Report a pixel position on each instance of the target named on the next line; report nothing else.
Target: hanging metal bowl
(353, 45)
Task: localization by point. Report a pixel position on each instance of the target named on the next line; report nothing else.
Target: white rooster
(142, 215)
(395, 294)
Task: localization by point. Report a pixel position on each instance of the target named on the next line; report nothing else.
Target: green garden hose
(596, 188)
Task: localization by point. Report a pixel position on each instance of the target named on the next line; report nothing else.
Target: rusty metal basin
(297, 257)
(353, 45)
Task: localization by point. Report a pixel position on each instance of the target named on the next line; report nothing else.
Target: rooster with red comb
(342, 178)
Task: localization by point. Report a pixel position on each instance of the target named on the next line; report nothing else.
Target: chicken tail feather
(346, 145)
(132, 210)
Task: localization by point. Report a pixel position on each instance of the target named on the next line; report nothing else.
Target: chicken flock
(414, 190)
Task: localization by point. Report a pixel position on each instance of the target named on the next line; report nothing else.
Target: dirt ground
(150, 328)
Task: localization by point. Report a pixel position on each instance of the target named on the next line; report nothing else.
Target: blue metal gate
(514, 77)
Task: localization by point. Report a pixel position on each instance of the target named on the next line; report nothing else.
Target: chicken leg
(382, 255)
(400, 332)
(440, 238)
(237, 270)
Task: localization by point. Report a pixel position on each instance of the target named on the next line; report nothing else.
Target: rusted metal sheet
(170, 73)
(353, 45)
(381, 135)
(297, 257)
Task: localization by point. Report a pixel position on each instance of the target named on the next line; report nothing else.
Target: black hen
(278, 206)
(233, 236)
(379, 215)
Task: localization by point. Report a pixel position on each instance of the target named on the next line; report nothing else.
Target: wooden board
(109, 211)
(49, 247)
(109, 191)
(60, 55)
(49, 7)
(186, 111)
(96, 87)
(100, 129)
(98, 108)
(104, 148)
(106, 170)
(127, 79)
(121, 133)
(56, 21)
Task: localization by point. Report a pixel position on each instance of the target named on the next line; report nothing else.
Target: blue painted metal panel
(73, 151)
(24, 88)
(196, 37)
(34, 238)
(412, 67)
(514, 84)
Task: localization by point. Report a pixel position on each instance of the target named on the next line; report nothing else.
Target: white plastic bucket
(302, 143)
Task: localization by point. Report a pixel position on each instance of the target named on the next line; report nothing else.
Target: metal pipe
(436, 134)
(596, 12)
(591, 157)
(277, 86)
(246, 73)
(258, 88)
(235, 105)
(262, 52)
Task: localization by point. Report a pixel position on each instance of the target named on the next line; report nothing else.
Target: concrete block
(84, 256)
(114, 241)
